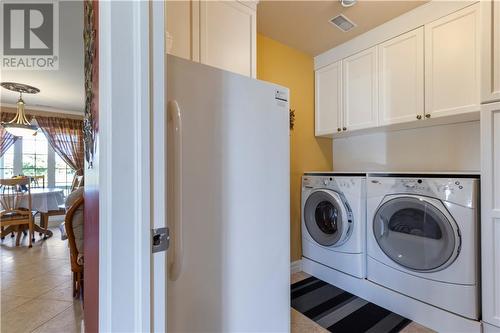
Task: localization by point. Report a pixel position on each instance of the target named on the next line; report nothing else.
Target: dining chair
(15, 204)
(73, 223)
(44, 217)
(36, 180)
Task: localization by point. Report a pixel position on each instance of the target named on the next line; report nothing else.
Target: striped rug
(339, 311)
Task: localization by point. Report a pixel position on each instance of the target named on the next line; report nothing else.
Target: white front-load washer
(333, 221)
(422, 238)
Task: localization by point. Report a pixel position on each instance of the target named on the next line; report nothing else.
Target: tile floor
(302, 324)
(35, 285)
(36, 294)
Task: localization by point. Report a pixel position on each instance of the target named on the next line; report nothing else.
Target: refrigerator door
(232, 262)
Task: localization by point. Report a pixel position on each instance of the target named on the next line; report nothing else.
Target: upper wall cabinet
(401, 77)
(452, 60)
(491, 52)
(427, 65)
(227, 36)
(179, 27)
(328, 99)
(217, 33)
(360, 90)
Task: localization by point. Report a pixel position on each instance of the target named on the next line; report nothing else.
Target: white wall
(452, 147)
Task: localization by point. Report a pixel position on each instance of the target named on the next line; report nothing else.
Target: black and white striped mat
(339, 311)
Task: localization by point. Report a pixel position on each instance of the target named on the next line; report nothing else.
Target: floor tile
(416, 328)
(299, 276)
(302, 324)
(35, 285)
(60, 293)
(68, 321)
(9, 302)
(31, 315)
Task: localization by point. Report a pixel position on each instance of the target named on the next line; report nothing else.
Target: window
(63, 173)
(35, 153)
(7, 163)
(33, 156)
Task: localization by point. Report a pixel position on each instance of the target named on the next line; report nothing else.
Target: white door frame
(127, 128)
(158, 73)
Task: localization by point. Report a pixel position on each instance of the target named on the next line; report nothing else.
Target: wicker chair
(74, 222)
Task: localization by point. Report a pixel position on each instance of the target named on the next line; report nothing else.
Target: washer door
(326, 218)
(417, 233)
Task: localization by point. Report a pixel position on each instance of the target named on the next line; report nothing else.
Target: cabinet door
(179, 27)
(228, 36)
(490, 212)
(328, 99)
(401, 78)
(490, 16)
(452, 73)
(360, 92)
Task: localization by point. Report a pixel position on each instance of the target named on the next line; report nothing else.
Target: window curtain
(66, 138)
(6, 139)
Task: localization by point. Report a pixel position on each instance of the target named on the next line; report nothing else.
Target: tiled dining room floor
(36, 293)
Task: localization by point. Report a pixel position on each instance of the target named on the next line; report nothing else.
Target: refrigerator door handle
(174, 116)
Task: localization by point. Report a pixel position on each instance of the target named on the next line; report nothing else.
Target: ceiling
(304, 25)
(61, 89)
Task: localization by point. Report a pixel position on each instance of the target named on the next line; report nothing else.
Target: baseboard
(296, 266)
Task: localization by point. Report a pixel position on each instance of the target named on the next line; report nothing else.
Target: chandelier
(19, 125)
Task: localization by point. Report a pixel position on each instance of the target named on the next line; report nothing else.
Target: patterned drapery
(66, 138)
(6, 139)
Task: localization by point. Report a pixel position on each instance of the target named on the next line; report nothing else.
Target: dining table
(43, 200)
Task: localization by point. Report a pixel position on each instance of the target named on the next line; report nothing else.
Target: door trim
(124, 202)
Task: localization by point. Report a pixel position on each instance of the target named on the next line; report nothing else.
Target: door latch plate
(160, 239)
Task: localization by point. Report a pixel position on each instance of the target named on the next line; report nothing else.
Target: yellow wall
(288, 67)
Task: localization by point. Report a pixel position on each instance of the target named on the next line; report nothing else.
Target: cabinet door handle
(339, 129)
(419, 117)
(344, 128)
(427, 115)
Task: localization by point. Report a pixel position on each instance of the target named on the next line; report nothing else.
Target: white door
(452, 63)
(360, 90)
(401, 70)
(328, 95)
(131, 169)
(227, 36)
(490, 213)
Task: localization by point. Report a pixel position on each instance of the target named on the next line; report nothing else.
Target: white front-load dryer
(333, 221)
(422, 238)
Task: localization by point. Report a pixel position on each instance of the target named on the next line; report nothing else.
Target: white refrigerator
(228, 201)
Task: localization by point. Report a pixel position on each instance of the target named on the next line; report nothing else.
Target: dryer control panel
(462, 191)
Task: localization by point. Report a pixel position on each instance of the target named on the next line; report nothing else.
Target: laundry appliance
(422, 238)
(333, 221)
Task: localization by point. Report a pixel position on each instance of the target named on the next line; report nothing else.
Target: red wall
(91, 225)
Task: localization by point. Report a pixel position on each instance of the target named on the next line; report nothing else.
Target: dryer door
(416, 232)
(327, 218)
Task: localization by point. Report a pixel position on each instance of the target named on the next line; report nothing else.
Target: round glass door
(416, 234)
(325, 217)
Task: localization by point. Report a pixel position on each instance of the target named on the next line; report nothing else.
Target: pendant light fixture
(19, 125)
(347, 3)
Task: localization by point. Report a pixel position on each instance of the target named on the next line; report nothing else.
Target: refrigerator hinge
(160, 239)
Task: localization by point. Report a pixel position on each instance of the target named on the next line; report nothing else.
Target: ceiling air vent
(342, 22)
